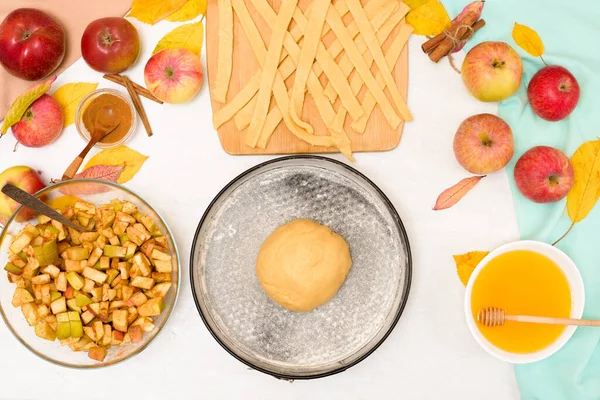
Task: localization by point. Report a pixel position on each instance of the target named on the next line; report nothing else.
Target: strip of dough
(243, 110)
(279, 89)
(346, 65)
(225, 56)
(312, 38)
(335, 21)
(270, 72)
(357, 83)
(391, 59)
(368, 34)
(315, 88)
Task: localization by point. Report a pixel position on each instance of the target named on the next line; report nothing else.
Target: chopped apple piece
(95, 256)
(94, 275)
(96, 294)
(21, 296)
(111, 274)
(162, 242)
(137, 299)
(116, 281)
(87, 316)
(127, 292)
(163, 266)
(101, 242)
(119, 228)
(76, 266)
(142, 282)
(152, 307)
(51, 319)
(63, 330)
(43, 311)
(89, 236)
(75, 236)
(145, 322)
(120, 320)
(13, 269)
(114, 241)
(115, 251)
(143, 264)
(161, 277)
(21, 241)
(76, 253)
(99, 330)
(159, 290)
(90, 332)
(40, 279)
(88, 286)
(128, 207)
(75, 280)
(82, 343)
(135, 333)
(45, 331)
(17, 261)
(82, 300)
(72, 305)
(52, 270)
(30, 313)
(84, 207)
(61, 282)
(53, 295)
(159, 255)
(59, 306)
(116, 304)
(117, 337)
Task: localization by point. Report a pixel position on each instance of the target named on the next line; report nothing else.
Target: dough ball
(303, 264)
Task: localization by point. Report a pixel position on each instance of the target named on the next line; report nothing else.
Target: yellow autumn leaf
(121, 155)
(152, 11)
(429, 19)
(62, 202)
(528, 40)
(190, 10)
(22, 103)
(586, 189)
(69, 96)
(412, 4)
(188, 36)
(466, 263)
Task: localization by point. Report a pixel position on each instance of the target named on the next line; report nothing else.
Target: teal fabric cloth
(570, 31)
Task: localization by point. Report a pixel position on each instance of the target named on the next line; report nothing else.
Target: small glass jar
(85, 134)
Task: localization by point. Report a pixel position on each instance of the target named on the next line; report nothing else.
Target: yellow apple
(174, 75)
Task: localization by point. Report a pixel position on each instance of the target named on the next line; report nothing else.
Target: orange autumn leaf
(466, 263)
(453, 194)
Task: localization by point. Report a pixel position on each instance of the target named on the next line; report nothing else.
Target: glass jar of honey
(124, 111)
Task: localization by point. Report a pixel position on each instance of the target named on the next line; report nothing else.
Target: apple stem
(565, 234)
(15, 148)
(544, 61)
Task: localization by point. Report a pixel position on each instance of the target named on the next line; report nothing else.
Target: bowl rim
(407, 283)
(566, 265)
(175, 249)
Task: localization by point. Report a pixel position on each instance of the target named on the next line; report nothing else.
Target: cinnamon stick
(432, 43)
(137, 103)
(447, 44)
(142, 91)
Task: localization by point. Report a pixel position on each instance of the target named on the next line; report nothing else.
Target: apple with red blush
(41, 124)
(553, 93)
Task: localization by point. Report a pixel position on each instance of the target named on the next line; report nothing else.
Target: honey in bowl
(526, 283)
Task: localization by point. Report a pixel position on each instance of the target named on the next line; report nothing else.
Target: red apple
(110, 45)
(174, 75)
(32, 44)
(24, 178)
(41, 124)
(553, 93)
(492, 71)
(544, 174)
(483, 143)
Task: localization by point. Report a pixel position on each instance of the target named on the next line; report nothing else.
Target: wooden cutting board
(378, 136)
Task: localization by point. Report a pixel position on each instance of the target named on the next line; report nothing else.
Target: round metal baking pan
(259, 332)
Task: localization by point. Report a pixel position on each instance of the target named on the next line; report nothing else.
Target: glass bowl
(97, 192)
(85, 134)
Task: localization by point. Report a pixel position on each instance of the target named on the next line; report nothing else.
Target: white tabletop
(429, 355)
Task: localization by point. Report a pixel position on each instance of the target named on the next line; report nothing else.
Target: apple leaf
(69, 96)
(120, 156)
(188, 36)
(466, 263)
(429, 19)
(190, 10)
(453, 194)
(528, 40)
(586, 187)
(22, 103)
(153, 11)
(102, 172)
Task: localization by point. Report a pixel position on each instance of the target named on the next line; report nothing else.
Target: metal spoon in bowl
(32, 202)
(104, 124)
